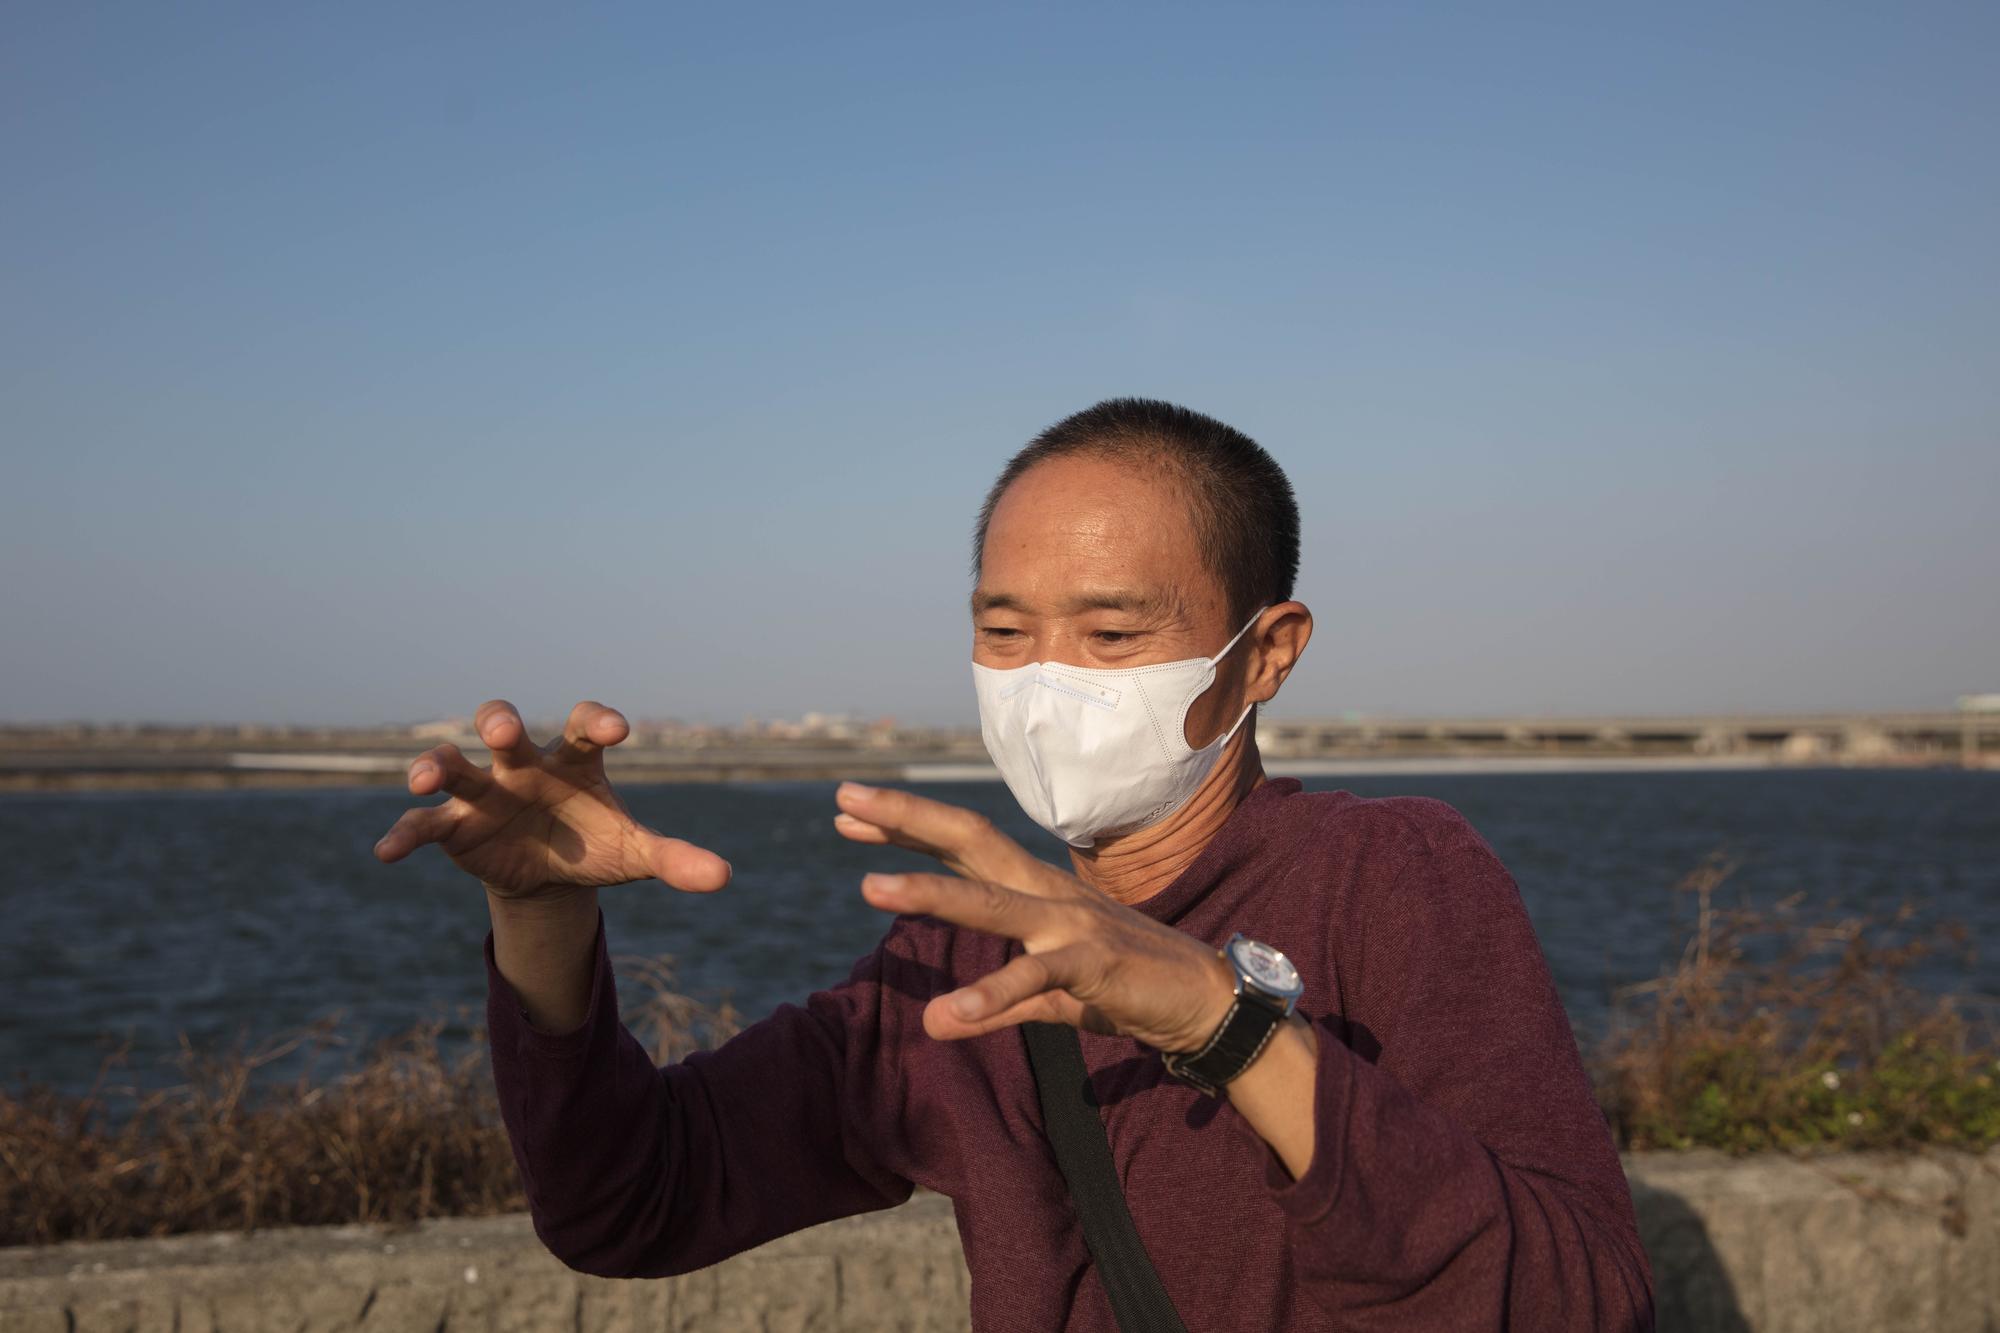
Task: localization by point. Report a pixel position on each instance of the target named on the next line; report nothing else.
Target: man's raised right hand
(542, 819)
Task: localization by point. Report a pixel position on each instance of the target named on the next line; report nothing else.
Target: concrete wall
(899, 1271)
(1822, 1245)
(1771, 1245)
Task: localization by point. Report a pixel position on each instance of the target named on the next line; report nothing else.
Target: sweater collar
(1233, 844)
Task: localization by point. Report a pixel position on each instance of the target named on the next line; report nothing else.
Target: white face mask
(1091, 753)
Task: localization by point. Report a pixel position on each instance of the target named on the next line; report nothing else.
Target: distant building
(1979, 703)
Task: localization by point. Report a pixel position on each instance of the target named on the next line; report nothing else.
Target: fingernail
(855, 789)
(421, 771)
(966, 1004)
(885, 885)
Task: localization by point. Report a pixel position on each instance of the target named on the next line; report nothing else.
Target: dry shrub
(413, 1132)
(1774, 1031)
(670, 1024)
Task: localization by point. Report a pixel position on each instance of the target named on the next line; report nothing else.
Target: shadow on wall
(1691, 1288)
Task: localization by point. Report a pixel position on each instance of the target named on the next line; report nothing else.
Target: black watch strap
(1239, 1040)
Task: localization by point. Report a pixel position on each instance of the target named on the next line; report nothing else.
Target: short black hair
(1245, 514)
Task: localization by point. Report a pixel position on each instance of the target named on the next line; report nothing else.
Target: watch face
(1267, 969)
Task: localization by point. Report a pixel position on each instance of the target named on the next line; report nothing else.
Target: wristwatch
(1267, 988)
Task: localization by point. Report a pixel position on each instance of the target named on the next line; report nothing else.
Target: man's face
(1090, 563)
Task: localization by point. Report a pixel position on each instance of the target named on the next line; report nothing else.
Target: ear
(1278, 641)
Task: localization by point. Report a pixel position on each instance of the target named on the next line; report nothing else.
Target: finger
(682, 865)
(590, 728)
(418, 826)
(445, 768)
(856, 829)
(1033, 988)
(1048, 1007)
(980, 904)
(500, 727)
(961, 838)
(1053, 1006)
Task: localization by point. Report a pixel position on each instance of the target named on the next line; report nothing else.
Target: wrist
(1276, 1093)
(544, 947)
(560, 924)
(550, 903)
(1218, 992)
(1262, 989)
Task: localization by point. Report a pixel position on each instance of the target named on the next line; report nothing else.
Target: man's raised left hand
(1091, 961)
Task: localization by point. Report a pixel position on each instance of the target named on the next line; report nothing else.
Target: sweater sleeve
(632, 1170)
(1463, 1177)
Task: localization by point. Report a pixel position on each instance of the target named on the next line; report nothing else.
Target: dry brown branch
(1773, 1031)
(412, 1132)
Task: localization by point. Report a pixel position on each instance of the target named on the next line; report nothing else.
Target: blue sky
(359, 363)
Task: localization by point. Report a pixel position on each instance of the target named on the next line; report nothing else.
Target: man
(1413, 1146)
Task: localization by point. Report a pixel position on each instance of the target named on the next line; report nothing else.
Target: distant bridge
(1967, 737)
(79, 756)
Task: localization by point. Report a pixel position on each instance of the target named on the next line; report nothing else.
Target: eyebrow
(1133, 600)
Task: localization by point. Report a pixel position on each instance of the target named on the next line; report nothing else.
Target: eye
(999, 632)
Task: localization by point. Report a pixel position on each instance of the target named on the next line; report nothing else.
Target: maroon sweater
(1462, 1176)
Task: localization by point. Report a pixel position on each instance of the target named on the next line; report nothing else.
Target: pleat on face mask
(1092, 752)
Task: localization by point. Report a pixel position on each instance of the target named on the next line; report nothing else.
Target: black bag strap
(1083, 1152)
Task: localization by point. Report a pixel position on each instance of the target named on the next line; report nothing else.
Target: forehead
(1071, 527)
